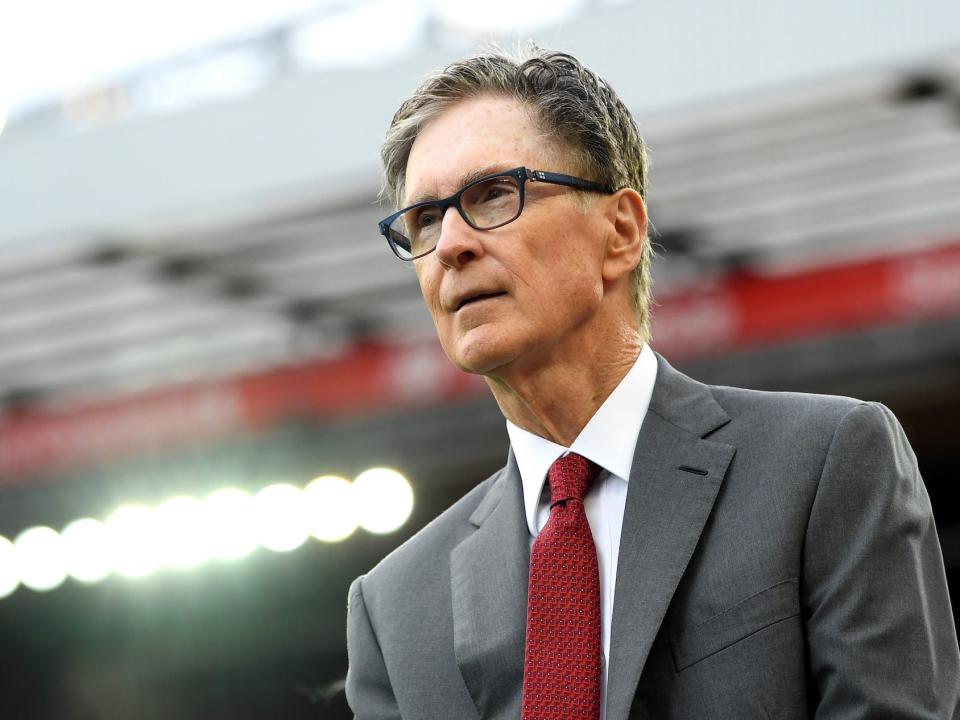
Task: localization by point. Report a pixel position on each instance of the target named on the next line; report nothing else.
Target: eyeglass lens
(485, 204)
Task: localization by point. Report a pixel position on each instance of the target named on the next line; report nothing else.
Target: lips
(468, 299)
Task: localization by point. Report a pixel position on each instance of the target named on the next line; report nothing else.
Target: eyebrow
(463, 180)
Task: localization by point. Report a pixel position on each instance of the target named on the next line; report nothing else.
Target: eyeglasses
(484, 204)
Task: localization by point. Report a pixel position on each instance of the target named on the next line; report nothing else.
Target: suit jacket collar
(676, 476)
(488, 577)
(685, 402)
(674, 482)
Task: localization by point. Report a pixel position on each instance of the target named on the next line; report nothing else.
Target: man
(654, 547)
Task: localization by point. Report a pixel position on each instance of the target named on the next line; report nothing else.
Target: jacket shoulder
(796, 404)
(795, 426)
(777, 409)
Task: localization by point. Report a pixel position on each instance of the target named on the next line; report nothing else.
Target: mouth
(477, 298)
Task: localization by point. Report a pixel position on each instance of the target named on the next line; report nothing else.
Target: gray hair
(570, 102)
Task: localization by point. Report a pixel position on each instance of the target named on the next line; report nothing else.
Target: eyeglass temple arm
(566, 180)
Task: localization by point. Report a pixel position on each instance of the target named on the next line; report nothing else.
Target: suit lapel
(488, 575)
(674, 482)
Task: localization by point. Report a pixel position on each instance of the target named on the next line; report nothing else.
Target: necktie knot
(570, 477)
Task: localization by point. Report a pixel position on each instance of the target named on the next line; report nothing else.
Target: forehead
(482, 133)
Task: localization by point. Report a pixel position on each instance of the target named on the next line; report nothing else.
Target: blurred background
(209, 359)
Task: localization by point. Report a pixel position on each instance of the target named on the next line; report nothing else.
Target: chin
(477, 363)
(478, 355)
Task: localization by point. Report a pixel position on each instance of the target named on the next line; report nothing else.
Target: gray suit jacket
(778, 560)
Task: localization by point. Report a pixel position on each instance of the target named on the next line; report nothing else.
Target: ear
(627, 233)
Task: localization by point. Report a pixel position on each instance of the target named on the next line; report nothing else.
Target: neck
(557, 400)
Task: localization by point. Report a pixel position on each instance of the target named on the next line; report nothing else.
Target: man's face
(524, 295)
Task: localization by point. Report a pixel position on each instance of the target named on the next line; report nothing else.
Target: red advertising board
(737, 312)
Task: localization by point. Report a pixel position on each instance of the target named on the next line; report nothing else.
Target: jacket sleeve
(880, 630)
(369, 693)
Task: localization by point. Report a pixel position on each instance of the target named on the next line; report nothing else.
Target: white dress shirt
(608, 439)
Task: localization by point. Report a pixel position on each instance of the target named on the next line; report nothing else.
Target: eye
(497, 189)
(426, 217)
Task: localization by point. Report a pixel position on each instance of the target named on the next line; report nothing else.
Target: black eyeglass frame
(520, 174)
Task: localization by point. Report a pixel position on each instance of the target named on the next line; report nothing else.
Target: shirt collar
(608, 439)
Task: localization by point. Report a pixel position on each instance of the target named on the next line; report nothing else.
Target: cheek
(563, 275)
(430, 289)
(554, 300)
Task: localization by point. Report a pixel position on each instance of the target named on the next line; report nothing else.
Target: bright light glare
(86, 549)
(39, 558)
(501, 16)
(182, 529)
(282, 520)
(9, 577)
(78, 49)
(354, 36)
(183, 532)
(384, 500)
(229, 518)
(134, 540)
(331, 509)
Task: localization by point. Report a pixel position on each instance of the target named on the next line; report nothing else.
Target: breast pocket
(736, 623)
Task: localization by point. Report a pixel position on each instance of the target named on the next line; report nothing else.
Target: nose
(459, 243)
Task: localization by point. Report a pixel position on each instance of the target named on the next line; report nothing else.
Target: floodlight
(183, 533)
(331, 508)
(228, 515)
(134, 541)
(281, 517)
(86, 549)
(39, 558)
(384, 500)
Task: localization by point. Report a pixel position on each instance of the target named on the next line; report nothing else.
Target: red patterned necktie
(562, 664)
